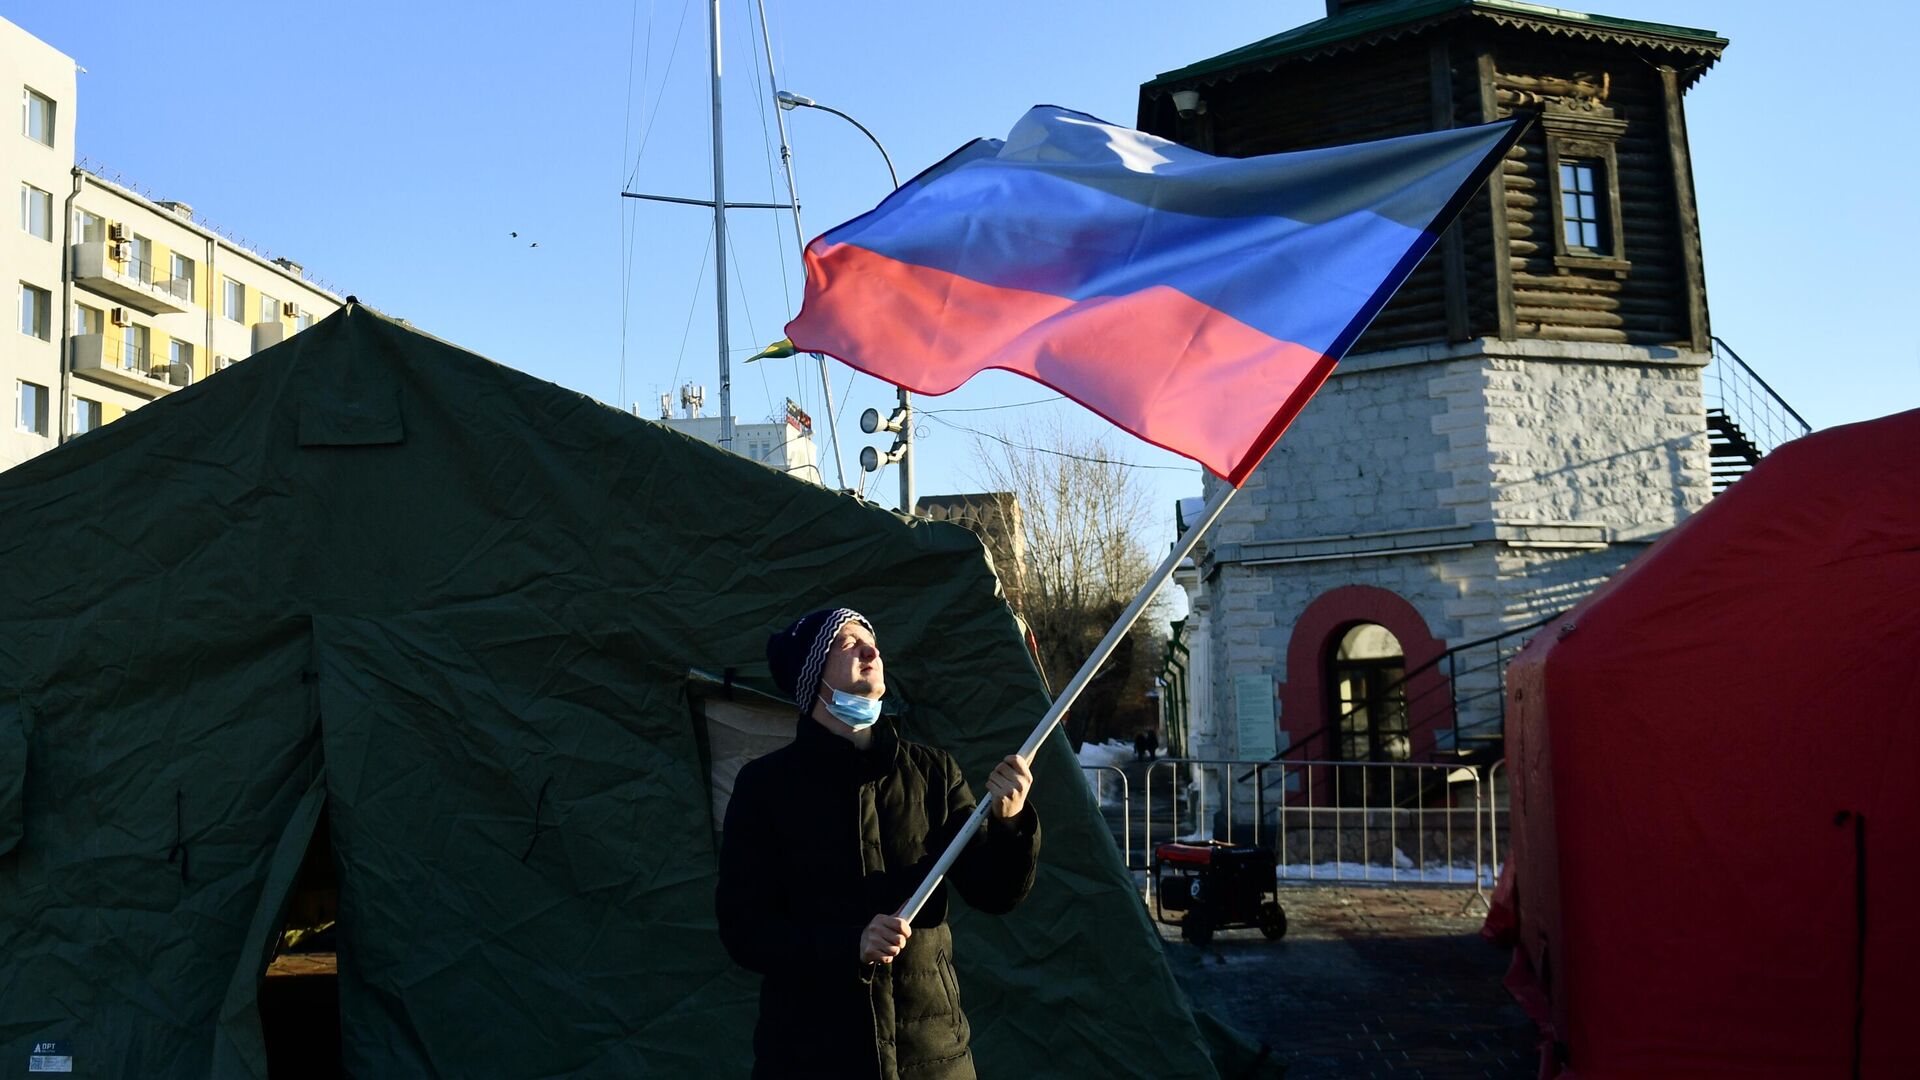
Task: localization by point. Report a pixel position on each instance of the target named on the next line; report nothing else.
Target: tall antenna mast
(720, 206)
(720, 233)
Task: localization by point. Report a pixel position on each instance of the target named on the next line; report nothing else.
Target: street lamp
(791, 101)
(901, 421)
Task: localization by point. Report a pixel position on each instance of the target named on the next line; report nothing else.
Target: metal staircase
(1746, 418)
(1732, 451)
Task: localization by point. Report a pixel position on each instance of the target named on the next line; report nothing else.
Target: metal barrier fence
(1095, 780)
(1496, 809)
(1342, 822)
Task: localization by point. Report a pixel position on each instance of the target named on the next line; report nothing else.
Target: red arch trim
(1304, 698)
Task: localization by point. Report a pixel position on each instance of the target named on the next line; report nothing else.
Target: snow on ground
(1097, 759)
(1111, 752)
(1403, 870)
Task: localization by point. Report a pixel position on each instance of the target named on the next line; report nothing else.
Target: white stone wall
(1487, 484)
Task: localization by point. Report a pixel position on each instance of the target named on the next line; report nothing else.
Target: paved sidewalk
(1368, 982)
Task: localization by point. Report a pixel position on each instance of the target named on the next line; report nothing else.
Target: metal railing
(1096, 781)
(1477, 682)
(123, 352)
(151, 274)
(128, 355)
(1761, 413)
(1341, 822)
(1471, 702)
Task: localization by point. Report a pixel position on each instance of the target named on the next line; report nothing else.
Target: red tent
(1716, 819)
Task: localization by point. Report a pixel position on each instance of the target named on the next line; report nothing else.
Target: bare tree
(1082, 511)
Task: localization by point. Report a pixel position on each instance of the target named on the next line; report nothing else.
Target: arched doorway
(1366, 679)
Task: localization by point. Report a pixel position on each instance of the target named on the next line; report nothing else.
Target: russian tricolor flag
(1193, 300)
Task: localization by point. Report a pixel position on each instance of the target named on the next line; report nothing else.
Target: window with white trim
(133, 347)
(236, 301)
(31, 415)
(36, 211)
(36, 116)
(88, 227)
(181, 270)
(141, 265)
(86, 415)
(36, 306)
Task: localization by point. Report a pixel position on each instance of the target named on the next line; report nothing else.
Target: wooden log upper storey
(1588, 233)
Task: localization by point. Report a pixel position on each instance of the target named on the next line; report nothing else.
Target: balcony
(116, 360)
(268, 334)
(132, 282)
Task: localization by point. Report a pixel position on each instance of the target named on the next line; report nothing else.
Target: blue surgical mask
(851, 709)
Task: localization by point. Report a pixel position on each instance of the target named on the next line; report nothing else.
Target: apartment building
(121, 299)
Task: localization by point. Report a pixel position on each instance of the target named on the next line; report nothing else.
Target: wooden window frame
(1586, 138)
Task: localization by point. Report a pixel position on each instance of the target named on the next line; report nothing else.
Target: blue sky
(392, 149)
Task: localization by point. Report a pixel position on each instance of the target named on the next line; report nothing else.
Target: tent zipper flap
(240, 1045)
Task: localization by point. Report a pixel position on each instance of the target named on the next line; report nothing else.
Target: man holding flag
(823, 840)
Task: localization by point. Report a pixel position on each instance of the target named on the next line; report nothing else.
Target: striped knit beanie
(798, 655)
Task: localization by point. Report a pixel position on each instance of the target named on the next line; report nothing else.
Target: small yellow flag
(776, 351)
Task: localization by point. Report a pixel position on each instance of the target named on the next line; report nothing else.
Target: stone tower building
(1522, 420)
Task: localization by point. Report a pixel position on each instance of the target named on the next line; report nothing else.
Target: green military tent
(372, 610)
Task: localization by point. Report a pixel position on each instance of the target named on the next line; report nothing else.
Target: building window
(36, 211)
(236, 301)
(1580, 195)
(1367, 674)
(182, 273)
(36, 116)
(89, 227)
(88, 320)
(35, 309)
(86, 415)
(269, 309)
(32, 414)
(133, 348)
(142, 263)
(1583, 175)
(302, 320)
(180, 357)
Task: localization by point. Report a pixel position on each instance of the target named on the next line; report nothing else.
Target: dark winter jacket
(819, 838)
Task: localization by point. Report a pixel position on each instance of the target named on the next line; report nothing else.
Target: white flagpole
(1161, 574)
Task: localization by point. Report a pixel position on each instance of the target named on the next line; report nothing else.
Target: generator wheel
(1273, 921)
(1197, 927)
